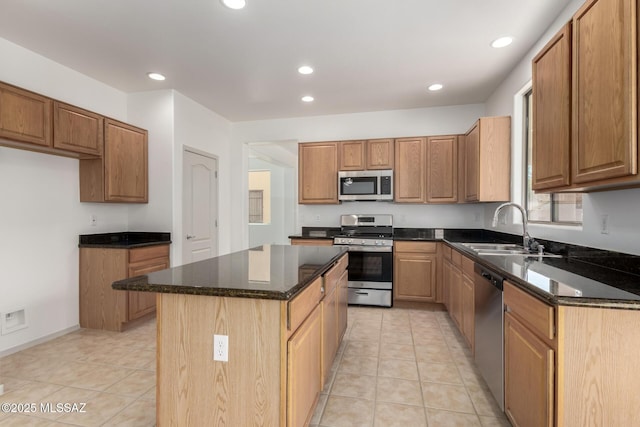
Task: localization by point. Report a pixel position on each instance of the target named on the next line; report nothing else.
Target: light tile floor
(405, 367)
(395, 367)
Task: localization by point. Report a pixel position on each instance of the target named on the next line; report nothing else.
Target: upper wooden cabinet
(77, 130)
(409, 170)
(442, 169)
(591, 64)
(552, 113)
(24, 116)
(121, 174)
(363, 155)
(604, 90)
(318, 173)
(488, 160)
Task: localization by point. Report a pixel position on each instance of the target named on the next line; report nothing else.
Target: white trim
(518, 154)
(37, 341)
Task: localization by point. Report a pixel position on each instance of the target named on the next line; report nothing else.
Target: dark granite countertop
(267, 272)
(123, 240)
(317, 233)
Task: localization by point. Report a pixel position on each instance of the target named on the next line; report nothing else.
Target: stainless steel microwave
(365, 185)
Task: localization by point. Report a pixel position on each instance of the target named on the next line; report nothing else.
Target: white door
(200, 207)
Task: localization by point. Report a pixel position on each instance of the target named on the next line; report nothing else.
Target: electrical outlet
(604, 224)
(317, 218)
(93, 220)
(221, 348)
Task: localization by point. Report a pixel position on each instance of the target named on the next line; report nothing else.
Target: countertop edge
(122, 246)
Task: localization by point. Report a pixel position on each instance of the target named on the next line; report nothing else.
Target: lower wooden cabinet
(343, 301)
(459, 292)
(529, 361)
(329, 333)
(414, 271)
(102, 307)
(312, 242)
(303, 370)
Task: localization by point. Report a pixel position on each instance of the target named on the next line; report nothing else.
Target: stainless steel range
(370, 242)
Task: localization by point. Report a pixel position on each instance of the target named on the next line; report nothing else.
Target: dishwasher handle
(494, 278)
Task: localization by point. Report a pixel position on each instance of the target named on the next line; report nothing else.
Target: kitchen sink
(506, 249)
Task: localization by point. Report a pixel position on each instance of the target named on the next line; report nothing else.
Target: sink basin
(505, 249)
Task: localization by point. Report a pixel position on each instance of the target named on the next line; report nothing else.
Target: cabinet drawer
(300, 307)
(149, 252)
(456, 258)
(415, 247)
(446, 252)
(467, 266)
(537, 315)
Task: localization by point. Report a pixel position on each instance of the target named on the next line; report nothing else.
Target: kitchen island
(283, 310)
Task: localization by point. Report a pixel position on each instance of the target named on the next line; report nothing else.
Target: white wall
(413, 122)
(621, 206)
(200, 128)
(40, 211)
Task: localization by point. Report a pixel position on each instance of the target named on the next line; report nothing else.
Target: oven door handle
(353, 248)
(361, 293)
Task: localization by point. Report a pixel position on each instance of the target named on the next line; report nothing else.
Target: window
(565, 208)
(256, 206)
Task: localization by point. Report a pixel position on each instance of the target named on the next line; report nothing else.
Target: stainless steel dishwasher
(489, 330)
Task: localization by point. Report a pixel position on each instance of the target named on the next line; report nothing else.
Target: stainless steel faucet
(527, 241)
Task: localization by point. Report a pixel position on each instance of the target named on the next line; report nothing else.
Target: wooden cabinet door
(352, 155)
(125, 163)
(529, 376)
(414, 277)
(329, 307)
(343, 300)
(468, 310)
(442, 169)
(472, 164)
(462, 173)
(141, 303)
(318, 173)
(303, 370)
(409, 172)
(604, 90)
(380, 154)
(446, 284)
(24, 116)
(77, 130)
(455, 295)
(552, 113)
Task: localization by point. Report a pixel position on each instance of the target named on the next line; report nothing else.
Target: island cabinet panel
(312, 242)
(597, 366)
(195, 390)
(552, 113)
(409, 172)
(604, 90)
(318, 173)
(77, 130)
(25, 116)
(343, 300)
(442, 169)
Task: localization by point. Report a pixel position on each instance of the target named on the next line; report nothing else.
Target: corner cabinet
(77, 130)
(101, 306)
(414, 271)
(318, 173)
(488, 160)
(121, 174)
(25, 116)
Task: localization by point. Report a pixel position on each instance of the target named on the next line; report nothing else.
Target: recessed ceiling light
(307, 98)
(234, 4)
(156, 76)
(305, 69)
(434, 87)
(502, 42)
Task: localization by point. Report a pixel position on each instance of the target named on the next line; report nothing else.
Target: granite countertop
(317, 233)
(266, 272)
(123, 240)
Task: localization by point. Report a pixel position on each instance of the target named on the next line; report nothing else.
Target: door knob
(191, 236)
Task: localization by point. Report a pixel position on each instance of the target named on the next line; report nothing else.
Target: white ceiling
(369, 55)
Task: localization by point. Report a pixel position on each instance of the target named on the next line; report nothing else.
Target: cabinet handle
(507, 309)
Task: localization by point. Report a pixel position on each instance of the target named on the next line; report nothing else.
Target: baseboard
(38, 341)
